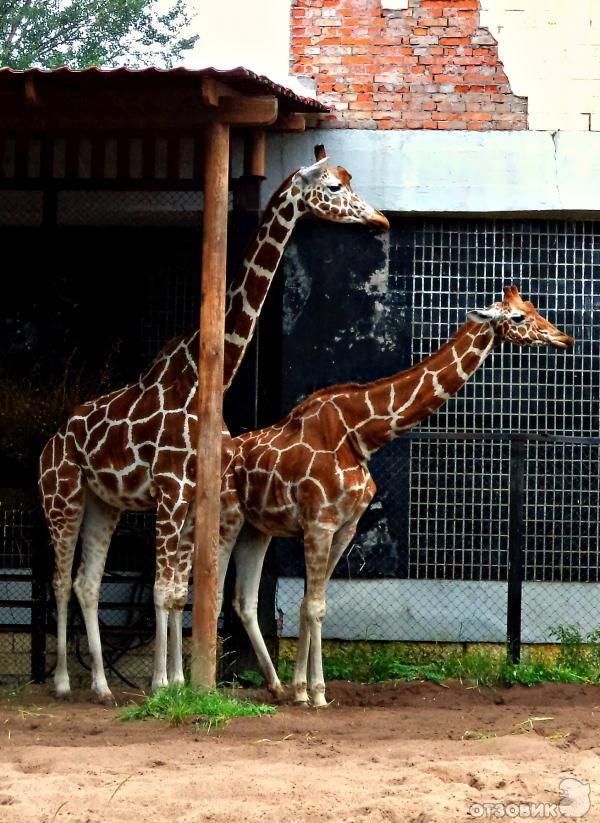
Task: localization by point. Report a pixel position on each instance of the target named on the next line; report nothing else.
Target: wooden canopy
(44, 103)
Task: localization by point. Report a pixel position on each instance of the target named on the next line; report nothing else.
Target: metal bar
(523, 437)
(39, 605)
(210, 407)
(516, 547)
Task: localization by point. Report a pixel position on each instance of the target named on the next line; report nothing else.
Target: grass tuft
(177, 703)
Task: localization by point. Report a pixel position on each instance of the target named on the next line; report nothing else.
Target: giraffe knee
(61, 585)
(314, 610)
(245, 609)
(179, 597)
(88, 592)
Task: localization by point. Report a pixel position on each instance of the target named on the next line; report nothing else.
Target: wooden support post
(210, 406)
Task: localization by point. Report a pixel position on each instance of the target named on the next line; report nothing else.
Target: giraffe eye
(518, 318)
(336, 187)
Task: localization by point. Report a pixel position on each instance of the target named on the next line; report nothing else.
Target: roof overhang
(61, 99)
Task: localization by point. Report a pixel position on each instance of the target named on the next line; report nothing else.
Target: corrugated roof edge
(237, 73)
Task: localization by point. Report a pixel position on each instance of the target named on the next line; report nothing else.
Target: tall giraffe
(308, 473)
(134, 449)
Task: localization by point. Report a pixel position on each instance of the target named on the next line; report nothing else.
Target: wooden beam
(247, 111)
(209, 93)
(184, 111)
(289, 122)
(255, 142)
(210, 407)
(213, 89)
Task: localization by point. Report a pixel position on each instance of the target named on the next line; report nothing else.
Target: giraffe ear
(484, 315)
(311, 173)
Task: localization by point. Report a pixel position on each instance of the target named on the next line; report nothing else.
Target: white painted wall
(551, 53)
(479, 173)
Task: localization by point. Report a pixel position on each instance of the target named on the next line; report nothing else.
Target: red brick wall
(430, 66)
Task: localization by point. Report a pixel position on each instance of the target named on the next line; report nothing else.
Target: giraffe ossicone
(135, 448)
(308, 473)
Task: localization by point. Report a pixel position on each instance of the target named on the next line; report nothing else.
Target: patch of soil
(386, 752)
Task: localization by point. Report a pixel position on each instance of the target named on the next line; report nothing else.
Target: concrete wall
(441, 610)
(454, 172)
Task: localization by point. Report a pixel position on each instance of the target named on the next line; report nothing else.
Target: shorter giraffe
(308, 473)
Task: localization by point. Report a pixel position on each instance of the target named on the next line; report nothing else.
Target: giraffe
(134, 448)
(308, 473)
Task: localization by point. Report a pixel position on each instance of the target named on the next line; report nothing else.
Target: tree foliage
(82, 33)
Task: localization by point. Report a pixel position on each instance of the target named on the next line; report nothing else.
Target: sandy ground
(394, 752)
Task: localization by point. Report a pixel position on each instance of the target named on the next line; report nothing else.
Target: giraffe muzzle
(378, 221)
(563, 341)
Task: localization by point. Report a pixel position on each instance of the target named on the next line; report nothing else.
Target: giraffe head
(325, 191)
(518, 320)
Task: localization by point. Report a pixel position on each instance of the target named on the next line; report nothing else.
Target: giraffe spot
(108, 481)
(119, 408)
(147, 430)
(175, 395)
(287, 212)
(243, 324)
(267, 257)
(256, 290)
(470, 362)
(278, 232)
(323, 470)
(295, 191)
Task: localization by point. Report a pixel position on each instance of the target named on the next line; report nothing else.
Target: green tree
(82, 33)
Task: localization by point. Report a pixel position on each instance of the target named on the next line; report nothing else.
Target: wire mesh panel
(467, 264)
(445, 522)
(562, 525)
(17, 532)
(459, 510)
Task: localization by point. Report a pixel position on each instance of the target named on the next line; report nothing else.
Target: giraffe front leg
(183, 567)
(171, 515)
(317, 543)
(300, 670)
(161, 594)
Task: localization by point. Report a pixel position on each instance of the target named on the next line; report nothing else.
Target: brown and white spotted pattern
(134, 449)
(309, 472)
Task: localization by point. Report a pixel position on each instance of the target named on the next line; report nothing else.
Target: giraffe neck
(395, 404)
(247, 293)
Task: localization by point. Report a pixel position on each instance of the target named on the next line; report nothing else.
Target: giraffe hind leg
(63, 501)
(249, 554)
(99, 523)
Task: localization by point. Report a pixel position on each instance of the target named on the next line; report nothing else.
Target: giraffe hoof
(278, 695)
(66, 696)
(302, 704)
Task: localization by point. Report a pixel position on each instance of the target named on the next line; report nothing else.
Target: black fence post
(516, 545)
(39, 602)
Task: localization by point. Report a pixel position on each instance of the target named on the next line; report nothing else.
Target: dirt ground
(392, 752)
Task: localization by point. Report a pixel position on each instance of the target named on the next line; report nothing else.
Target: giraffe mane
(344, 388)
